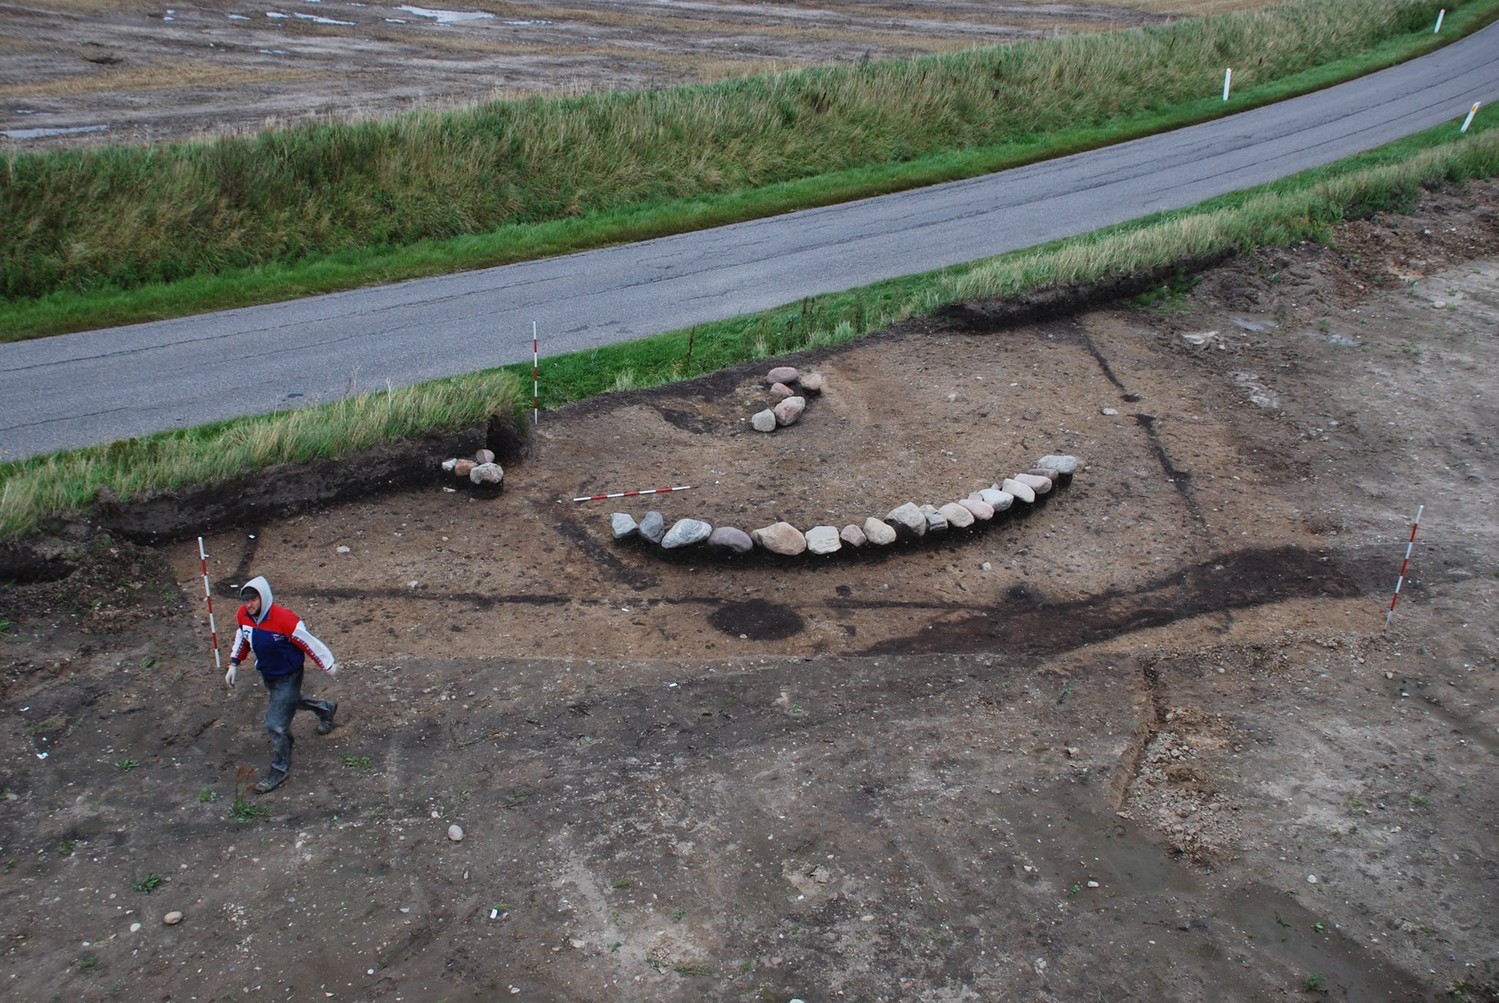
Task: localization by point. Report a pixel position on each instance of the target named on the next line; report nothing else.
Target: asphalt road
(98, 386)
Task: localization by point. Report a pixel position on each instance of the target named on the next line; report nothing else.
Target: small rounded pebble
(172, 918)
(455, 833)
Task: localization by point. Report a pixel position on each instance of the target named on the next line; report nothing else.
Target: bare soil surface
(1150, 741)
(79, 72)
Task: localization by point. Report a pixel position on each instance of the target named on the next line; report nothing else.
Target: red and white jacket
(279, 639)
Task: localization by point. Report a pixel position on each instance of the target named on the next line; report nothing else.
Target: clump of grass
(57, 722)
(242, 809)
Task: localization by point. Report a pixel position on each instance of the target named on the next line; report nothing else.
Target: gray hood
(263, 589)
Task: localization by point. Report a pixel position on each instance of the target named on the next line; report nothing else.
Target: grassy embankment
(37, 489)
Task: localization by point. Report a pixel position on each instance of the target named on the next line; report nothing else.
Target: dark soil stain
(1027, 624)
(1179, 479)
(608, 562)
(479, 600)
(757, 620)
(689, 422)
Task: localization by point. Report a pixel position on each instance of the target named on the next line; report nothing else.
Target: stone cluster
(909, 522)
(482, 469)
(790, 402)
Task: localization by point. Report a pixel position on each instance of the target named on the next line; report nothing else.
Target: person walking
(281, 644)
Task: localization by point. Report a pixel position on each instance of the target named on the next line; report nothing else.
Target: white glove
(231, 675)
(331, 668)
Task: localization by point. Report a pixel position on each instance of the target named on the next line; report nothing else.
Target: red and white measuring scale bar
(632, 494)
(1401, 580)
(213, 631)
(535, 378)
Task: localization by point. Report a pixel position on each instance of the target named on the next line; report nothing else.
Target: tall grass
(117, 218)
(41, 488)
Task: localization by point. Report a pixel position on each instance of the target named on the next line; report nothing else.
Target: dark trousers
(285, 700)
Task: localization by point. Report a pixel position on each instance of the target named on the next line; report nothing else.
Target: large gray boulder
(790, 409)
(935, 521)
(486, 473)
(1019, 489)
(1063, 464)
(956, 515)
(685, 533)
(907, 520)
(878, 532)
(780, 538)
(981, 510)
(653, 527)
(823, 540)
(782, 374)
(1040, 485)
(1001, 500)
(730, 540)
(623, 525)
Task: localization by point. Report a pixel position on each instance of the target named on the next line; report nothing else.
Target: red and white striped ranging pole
(632, 494)
(213, 631)
(1401, 580)
(535, 378)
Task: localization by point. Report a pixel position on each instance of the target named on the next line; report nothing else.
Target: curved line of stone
(907, 523)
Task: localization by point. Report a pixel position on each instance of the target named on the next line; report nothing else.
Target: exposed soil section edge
(277, 491)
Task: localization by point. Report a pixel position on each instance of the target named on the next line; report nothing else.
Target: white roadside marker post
(1471, 112)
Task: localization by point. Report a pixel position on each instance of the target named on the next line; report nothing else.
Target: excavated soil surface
(1150, 740)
